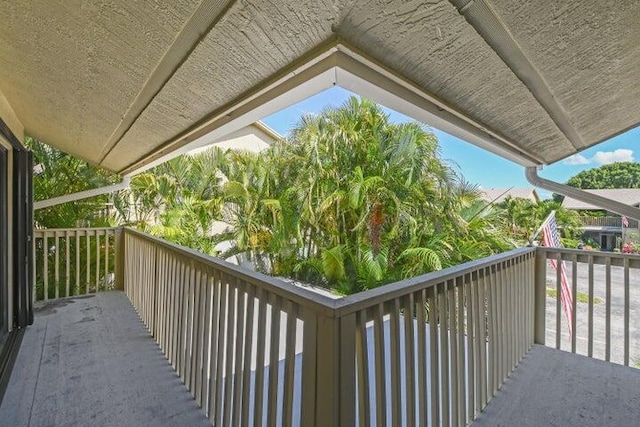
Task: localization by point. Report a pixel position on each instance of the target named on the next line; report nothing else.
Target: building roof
(254, 138)
(629, 196)
(127, 84)
(497, 195)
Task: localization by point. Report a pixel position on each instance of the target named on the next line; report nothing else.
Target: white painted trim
(342, 66)
(583, 196)
(267, 130)
(41, 204)
(420, 106)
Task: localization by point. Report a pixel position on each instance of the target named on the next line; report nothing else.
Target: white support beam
(583, 196)
(41, 204)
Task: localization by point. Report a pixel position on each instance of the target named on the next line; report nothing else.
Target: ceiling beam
(495, 33)
(204, 18)
(335, 64)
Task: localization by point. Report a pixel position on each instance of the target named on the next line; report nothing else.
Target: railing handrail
(337, 307)
(599, 257)
(371, 297)
(300, 295)
(605, 221)
(75, 229)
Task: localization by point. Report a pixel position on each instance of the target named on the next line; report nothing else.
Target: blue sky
(477, 165)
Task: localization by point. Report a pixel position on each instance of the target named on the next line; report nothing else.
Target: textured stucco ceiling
(113, 81)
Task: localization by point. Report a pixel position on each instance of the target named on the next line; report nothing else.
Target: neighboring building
(254, 138)
(498, 195)
(604, 227)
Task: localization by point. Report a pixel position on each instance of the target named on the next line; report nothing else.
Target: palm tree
(349, 201)
(367, 201)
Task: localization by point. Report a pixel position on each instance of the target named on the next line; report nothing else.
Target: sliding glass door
(16, 230)
(4, 247)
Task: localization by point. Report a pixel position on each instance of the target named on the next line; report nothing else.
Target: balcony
(605, 222)
(134, 330)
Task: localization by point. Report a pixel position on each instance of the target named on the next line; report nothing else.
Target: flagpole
(551, 215)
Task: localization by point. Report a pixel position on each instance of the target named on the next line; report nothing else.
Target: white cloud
(607, 157)
(601, 158)
(576, 159)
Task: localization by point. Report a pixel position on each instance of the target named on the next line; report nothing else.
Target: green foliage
(178, 200)
(581, 297)
(59, 174)
(349, 201)
(524, 216)
(352, 201)
(615, 175)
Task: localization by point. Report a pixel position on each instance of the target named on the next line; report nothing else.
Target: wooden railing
(431, 350)
(438, 347)
(257, 351)
(73, 261)
(604, 298)
(606, 221)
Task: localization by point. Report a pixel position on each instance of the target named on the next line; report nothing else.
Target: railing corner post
(540, 299)
(119, 258)
(330, 395)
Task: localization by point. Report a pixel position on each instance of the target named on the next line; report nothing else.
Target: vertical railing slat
(231, 344)
(309, 366)
(67, 279)
(558, 298)
(454, 369)
(607, 283)
(574, 301)
(87, 238)
(409, 376)
(626, 311)
(223, 324)
(590, 327)
(289, 364)
(206, 337)
(98, 261)
(421, 359)
(56, 265)
(248, 354)
(434, 408)
(394, 347)
(274, 363)
(239, 350)
(472, 389)
(214, 348)
(260, 368)
(380, 370)
(77, 242)
(106, 258)
(481, 329)
(45, 268)
(445, 353)
(493, 340)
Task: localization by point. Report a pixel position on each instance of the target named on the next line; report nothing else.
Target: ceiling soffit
(129, 86)
(338, 65)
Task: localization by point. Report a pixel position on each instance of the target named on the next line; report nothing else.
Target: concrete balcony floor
(556, 388)
(89, 361)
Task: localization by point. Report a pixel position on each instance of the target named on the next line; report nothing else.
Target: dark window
(4, 245)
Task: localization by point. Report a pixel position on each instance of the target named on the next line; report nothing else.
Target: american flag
(551, 239)
(625, 221)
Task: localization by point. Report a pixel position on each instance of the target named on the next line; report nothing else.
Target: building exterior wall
(9, 117)
(254, 138)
